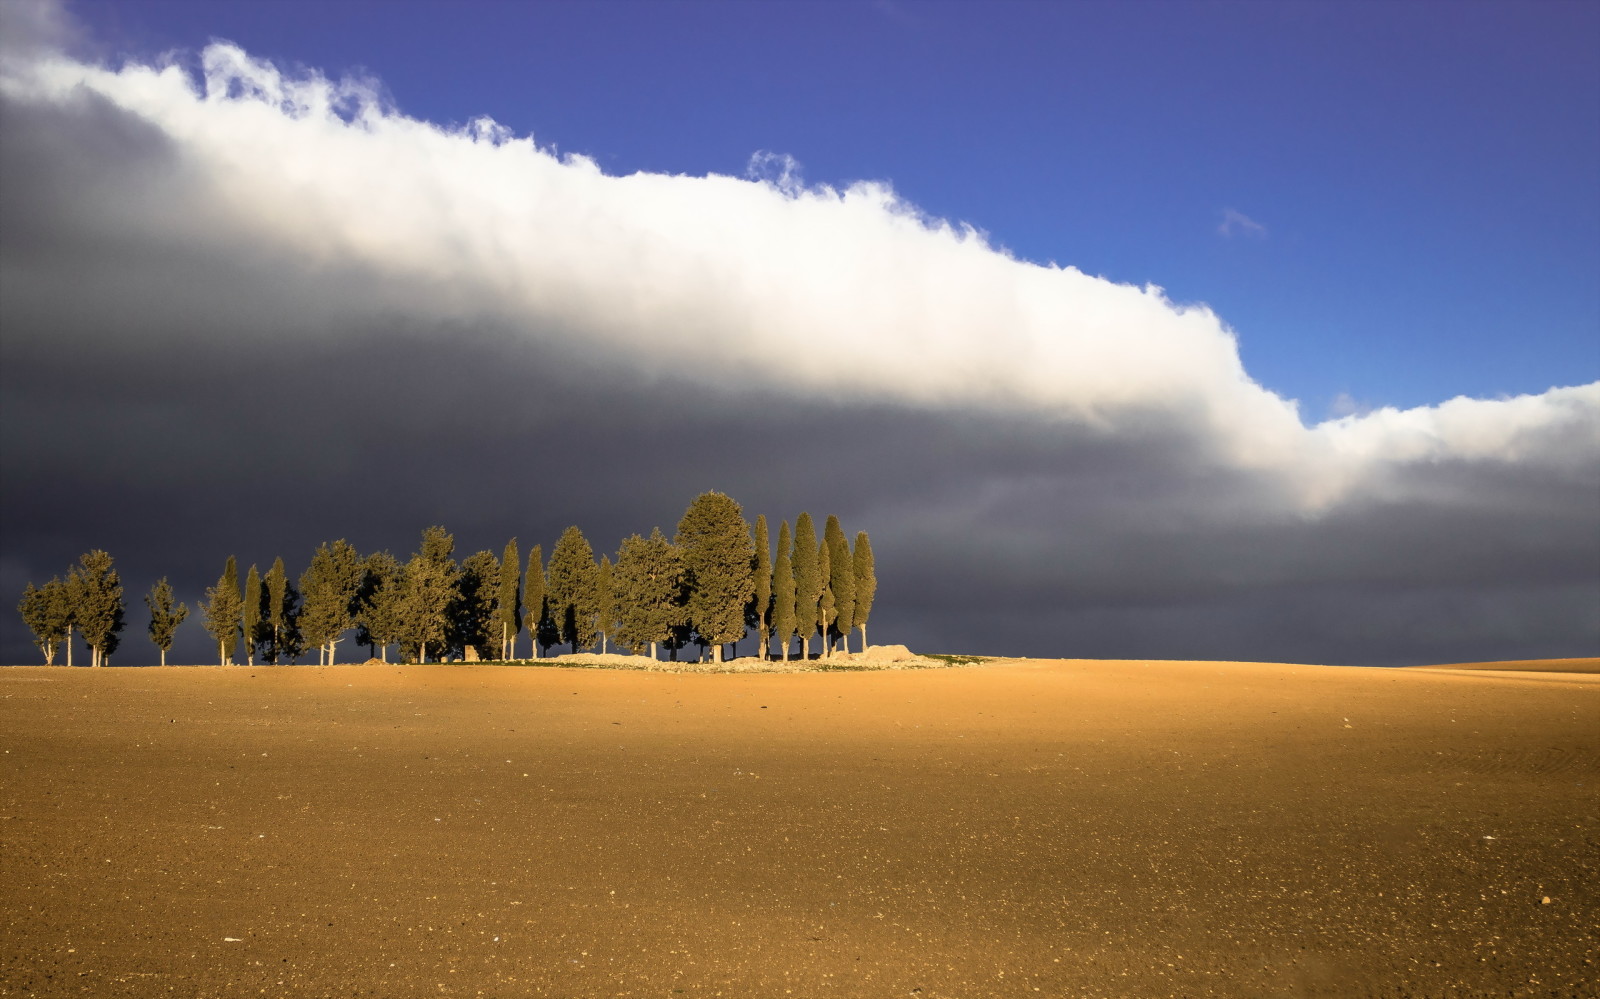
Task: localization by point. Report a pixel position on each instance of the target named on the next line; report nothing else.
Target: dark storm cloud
(181, 382)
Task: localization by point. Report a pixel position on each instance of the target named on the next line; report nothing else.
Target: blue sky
(1424, 175)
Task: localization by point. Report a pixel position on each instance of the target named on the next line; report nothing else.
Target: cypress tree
(808, 581)
(718, 559)
(431, 578)
(572, 588)
(763, 598)
(378, 603)
(827, 606)
(605, 602)
(48, 615)
(508, 602)
(252, 613)
(783, 592)
(841, 580)
(164, 617)
(329, 588)
(473, 612)
(72, 588)
(222, 610)
(536, 603)
(648, 580)
(866, 578)
(276, 583)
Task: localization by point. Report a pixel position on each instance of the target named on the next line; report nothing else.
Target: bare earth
(1062, 828)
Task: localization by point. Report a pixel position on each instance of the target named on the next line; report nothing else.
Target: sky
(1181, 330)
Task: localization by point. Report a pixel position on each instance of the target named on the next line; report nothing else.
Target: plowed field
(1063, 828)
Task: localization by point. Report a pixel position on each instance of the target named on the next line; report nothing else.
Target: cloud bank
(1094, 453)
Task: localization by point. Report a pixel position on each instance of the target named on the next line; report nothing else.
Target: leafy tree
(808, 581)
(572, 588)
(164, 617)
(827, 606)
(329, 588)
(253, 604)
(378, 603)
(763, 598)
(866, 579)
(508, 602)
(783, 620)
(841, 581)
(717, 557)
(48, 615)
(648, 580)
(222, 610)
(99, 604)
(472, 613)
(541, 628)
(431, 578)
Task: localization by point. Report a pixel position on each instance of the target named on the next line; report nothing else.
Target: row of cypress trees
(709, 585)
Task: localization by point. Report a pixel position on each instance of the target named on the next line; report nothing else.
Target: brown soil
(1064, 828)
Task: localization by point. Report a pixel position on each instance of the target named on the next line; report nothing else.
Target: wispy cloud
(1238, 223)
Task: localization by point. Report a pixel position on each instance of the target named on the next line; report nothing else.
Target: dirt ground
(1062, 828)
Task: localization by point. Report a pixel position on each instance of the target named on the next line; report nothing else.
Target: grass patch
(957, 660)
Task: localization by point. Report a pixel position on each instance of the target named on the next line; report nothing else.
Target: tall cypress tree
(783, 592)
(718, 559)
(222, 610)
(73, 589)
(763, 597)
(252, 613)
(535, 602)
(808, 581)
(841, 580)
(826, 604)
(164, 617)
(283, 614)
(605, 602)
(572, 588)
(508, 602)
(866, 574)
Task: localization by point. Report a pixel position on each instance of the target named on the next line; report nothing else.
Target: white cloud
(1236, 222)
(813, 290)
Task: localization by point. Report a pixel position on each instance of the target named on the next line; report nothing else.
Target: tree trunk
(222, 654)
(422, 653)
(69, 645)
(805, 648)
(863, 627)
(652, 650)
(716, 654)
(784, 648)
(163, 657)
(844, 641)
